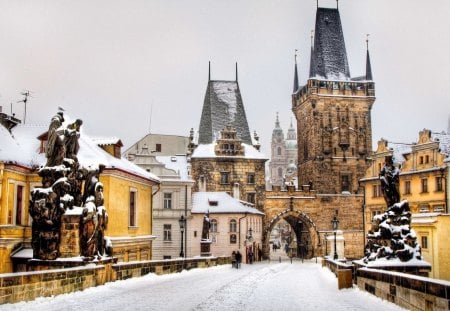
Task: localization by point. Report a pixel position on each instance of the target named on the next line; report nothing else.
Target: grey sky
(108, 62)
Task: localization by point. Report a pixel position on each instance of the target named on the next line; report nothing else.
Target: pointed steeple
(329, 59)
(277, 122)
(291, 134)
(277, 132)
(368, 66)
(236, 73)
(209, 71)
(296, 87)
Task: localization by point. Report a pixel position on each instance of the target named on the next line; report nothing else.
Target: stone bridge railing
(25, 286)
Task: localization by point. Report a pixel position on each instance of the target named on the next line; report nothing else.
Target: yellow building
(423, 176)
(128, 193)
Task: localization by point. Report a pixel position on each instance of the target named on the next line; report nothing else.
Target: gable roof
(223, 106)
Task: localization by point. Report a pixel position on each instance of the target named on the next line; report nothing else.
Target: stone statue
(55, 146)
(206, 227)
(62, 180)
(389, 178)
(71, 135)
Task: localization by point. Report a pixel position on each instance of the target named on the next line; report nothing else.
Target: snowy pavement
(261, 286)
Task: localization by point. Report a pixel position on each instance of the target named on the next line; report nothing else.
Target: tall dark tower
(333, 113)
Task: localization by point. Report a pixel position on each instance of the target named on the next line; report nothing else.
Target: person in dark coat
(238, 259)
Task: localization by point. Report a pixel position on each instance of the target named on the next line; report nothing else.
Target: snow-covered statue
(61, 192)
(389, 178)
(206, 227)
(391, 236)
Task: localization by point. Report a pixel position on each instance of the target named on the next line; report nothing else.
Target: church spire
(236, 73)
(368, 66)
(296, 87)
(209, 71)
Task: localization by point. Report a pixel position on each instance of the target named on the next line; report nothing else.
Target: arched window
(280, 172)
(279, 151)
(213, 225)
(233, 225)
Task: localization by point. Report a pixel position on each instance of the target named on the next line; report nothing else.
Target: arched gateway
(307, 215)
(306, 240)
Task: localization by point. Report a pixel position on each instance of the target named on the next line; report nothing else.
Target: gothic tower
(333, 113)
(278, 155)
(225, 157)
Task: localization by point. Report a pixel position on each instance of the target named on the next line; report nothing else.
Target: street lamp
(182, 222)
(335, 223)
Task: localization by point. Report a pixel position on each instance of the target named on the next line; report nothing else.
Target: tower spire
(296, 87)
(236, 72)
(209, 71)
(368, 66)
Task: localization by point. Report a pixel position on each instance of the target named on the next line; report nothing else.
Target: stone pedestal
(339, 244)
(70, 233)
(205, 248)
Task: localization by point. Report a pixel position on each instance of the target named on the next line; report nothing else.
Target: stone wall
(408, 291)
(25, 286)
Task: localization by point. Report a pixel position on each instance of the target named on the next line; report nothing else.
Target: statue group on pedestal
(391, 235)
(62, 189)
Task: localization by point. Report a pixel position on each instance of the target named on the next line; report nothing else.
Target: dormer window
(213, 202)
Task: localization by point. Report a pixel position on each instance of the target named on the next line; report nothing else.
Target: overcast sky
(127, 67)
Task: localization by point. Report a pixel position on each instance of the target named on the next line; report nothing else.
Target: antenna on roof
(25, 93)
(236, 73)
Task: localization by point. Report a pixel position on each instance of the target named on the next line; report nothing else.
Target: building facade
(172, 202)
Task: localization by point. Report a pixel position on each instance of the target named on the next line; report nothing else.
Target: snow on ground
(261, 286)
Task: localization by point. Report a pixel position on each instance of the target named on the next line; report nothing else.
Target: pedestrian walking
(238, 259)
(233, 259)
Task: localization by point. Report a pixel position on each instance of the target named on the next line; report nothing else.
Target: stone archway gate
(316, 211)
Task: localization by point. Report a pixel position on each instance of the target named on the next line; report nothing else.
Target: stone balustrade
(25, 286)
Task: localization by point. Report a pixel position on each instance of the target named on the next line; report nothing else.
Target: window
(427, 159)
(439, 183)
(420, 160)
(279, 151)
(424, 242)
(424, 184)
(251, 197)
(167, 200)
(250, 178)
(345, 183)
(233, 238)
(233, 225)
(407, 187)
(376, 191)
(158, 148)
(167, 232)
(224, 177)
(213, 225)
(132, 209)
(19, 205)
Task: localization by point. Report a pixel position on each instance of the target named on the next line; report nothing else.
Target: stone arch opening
(302, 240)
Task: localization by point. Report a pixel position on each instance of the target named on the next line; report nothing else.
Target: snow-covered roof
(177, 163)
(22, 147)
(207, 151)
(220, 203)
(444, 142)
(223, 106)
(12, 151)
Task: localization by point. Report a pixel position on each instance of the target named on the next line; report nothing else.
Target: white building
(234, 225)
